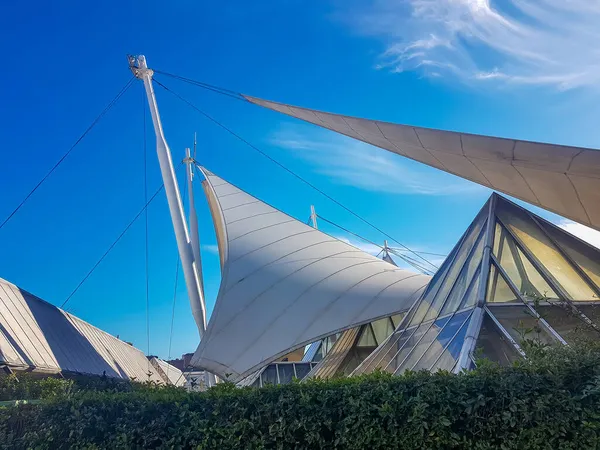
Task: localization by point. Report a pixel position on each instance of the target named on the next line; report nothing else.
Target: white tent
(285, 285)
(38, 336)
(565, 180)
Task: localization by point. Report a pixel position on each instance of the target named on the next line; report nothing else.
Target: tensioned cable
(411, 261)
(291, 172)
(137, 216)
(210, 87)
(404, 257)
(173, 309)
(145, 156)
(421, 253)
(88, 129)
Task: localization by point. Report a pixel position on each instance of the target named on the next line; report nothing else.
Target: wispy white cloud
(371, 249)
(354, 163)
(584, 233)
(540, 42)
(211, 248)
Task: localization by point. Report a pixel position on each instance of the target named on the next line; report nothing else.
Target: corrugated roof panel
(37, 335)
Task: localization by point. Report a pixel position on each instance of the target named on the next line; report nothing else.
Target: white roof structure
(285, 285)
(171, 374)
(565, 180)
(38, 336)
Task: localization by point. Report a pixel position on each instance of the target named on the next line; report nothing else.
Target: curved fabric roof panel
(565, 180)
(35, 335)
(285, 285)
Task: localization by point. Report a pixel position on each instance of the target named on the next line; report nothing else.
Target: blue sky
(513, 69)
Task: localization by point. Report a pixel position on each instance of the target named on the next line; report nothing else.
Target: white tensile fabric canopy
(285, 284)
(38, 336)
(565, 180)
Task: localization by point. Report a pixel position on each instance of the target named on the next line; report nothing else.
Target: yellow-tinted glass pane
(537, 284)
(498, 290)
(382, 329)
(367, 339)
(585, 257)
(397, 319)
(520, 270)
(506, 254)
(497, 238)
(542, 248)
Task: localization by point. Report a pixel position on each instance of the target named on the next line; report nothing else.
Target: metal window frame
(515, 291)
(477, 316)
(483, 237)
(470, 285)
(469, 317)
(537, 264)
(552, 282)
(505, 333)
(568, 258)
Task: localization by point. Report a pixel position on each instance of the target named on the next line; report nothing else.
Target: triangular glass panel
(584, 255)
(456, 279)
(397, 319)
(567, 322)
(470, 298)
(543, 251)
(498, 289)
(521, 323)
(449, 357)
(538, 287)
(407, 344)
(367, 338)
(382, 329)
(492, 345)
(519, 268)
(435, 341)
(465, 278)
(319, 353)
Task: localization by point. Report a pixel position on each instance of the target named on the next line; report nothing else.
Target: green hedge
(551, 402)
(32, 386)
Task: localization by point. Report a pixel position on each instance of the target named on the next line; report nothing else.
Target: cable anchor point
(138, 66)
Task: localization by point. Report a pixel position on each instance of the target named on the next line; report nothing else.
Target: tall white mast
(190, 270)
(194, 235)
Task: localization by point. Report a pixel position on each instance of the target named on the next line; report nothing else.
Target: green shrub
(551, 401)
(26, 386)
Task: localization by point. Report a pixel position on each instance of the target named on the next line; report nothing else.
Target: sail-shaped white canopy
(285, 284)
(565, 180)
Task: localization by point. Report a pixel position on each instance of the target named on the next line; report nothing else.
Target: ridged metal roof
(35, 335)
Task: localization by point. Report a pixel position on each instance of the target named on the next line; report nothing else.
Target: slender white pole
(190, 272)
(313, 217)
(194, 233)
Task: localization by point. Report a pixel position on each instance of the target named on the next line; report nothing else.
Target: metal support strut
(191, 271)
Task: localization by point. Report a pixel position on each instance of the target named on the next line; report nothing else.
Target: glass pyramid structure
(512, 276)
